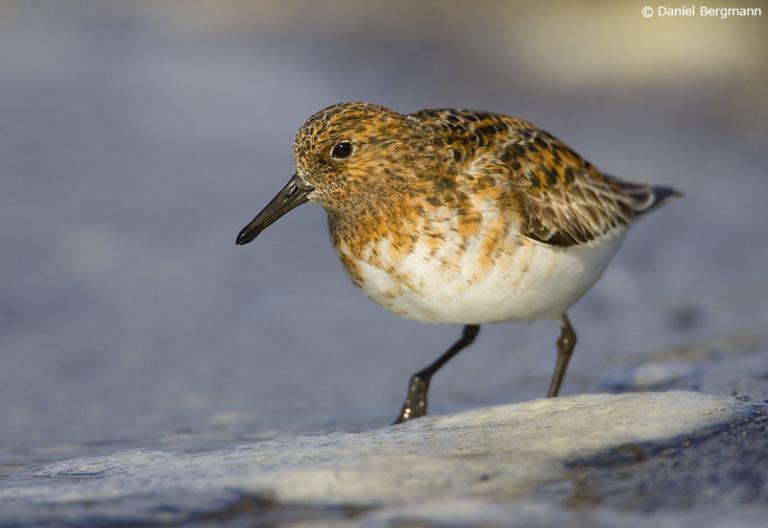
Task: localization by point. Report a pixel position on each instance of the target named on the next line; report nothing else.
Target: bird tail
(646, 197)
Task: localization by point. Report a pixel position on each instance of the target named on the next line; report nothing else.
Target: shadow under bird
(460, 217)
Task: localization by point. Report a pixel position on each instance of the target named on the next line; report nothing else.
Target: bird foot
(415, 404)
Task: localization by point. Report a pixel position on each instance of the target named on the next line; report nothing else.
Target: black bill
(292, 195)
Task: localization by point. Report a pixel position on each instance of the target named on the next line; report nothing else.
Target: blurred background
(137, 138)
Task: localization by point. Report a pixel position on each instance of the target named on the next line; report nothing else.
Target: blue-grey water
(136, 138)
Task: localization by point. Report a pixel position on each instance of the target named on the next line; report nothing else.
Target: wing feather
(562, 198)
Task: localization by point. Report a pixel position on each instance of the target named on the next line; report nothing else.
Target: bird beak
(292, 195)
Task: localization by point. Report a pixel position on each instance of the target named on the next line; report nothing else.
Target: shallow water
(138, 138)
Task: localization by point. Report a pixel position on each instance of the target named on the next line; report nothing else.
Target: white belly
(530, 281)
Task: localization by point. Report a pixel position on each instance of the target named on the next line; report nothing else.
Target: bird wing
(563, 200)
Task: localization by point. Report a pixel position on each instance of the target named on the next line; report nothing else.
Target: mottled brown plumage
(443, 156)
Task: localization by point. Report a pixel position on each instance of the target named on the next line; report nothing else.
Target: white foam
(480, 453)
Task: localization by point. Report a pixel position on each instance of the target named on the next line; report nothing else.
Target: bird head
(348, 156)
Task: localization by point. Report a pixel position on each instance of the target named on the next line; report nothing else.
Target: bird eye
(341, 150)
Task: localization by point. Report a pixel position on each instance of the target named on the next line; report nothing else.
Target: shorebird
(460, 217)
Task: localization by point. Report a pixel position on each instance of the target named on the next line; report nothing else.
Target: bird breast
(436, 273)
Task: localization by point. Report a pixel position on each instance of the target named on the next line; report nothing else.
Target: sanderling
(457, 216)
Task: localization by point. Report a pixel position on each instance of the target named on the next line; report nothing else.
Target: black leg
(565, 344)
(415, 404)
